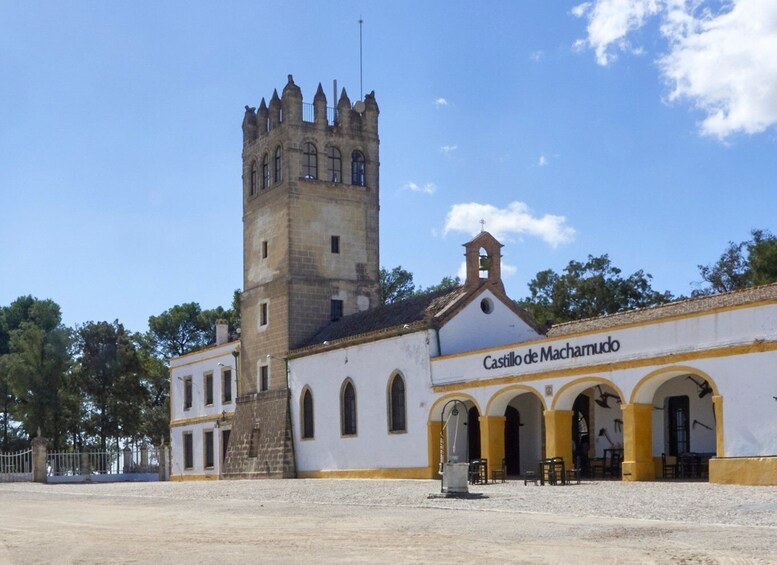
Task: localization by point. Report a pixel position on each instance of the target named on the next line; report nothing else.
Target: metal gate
(16, 467)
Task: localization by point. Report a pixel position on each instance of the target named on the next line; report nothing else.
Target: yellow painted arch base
(178, 478)
(405, 473)
(744, 471)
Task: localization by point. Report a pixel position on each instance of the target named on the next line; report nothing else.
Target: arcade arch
(520, 409)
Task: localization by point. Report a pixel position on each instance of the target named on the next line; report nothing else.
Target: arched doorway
(684, 427)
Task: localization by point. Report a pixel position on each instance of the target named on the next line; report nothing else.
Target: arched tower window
(335, 171)
(307, 414)
(310, 162)
(254, 179)
(266, 171)
(397, 420)
(357, 169)
(278, 164)
(348, 410)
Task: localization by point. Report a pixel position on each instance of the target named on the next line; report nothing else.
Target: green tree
(447, 283)
(35, 369)
(395, 285)
(586, 290)
(109, 375)
(180, 329)
(741, 265)
(155, 421)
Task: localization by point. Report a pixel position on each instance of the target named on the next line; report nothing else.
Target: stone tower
(310, 253)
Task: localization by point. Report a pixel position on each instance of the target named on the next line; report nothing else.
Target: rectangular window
(224, 443)
(335, 244)
(263, 314)
(336, 310)
(187, 393)
(226, 386)
(264, 377)
(253, 447)
(208, 448)
(264, 250)
(208, 389)
(188, 451)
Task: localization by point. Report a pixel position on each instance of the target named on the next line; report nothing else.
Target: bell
(484, 262)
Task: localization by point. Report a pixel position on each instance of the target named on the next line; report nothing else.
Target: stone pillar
(39, 459)
(164, 461)
(127, 452)
(638, 442)
(143, 458)
(85, 467)
(558, 435)
(492, 440)
(435, 448)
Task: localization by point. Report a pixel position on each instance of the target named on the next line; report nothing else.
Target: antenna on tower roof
(361, 86)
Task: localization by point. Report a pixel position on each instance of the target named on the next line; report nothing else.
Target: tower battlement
(289, 109)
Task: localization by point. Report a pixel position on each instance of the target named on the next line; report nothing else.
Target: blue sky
(640, 128)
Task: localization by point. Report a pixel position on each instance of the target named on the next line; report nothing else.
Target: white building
(203, 392)
(685, 389)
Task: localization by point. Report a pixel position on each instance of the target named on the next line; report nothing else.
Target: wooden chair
(499, 474)
(669, 466)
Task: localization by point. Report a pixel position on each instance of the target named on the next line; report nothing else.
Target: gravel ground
(388, 521)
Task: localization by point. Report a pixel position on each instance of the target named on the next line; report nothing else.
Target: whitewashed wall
(370, 367)
(474, 329)
(196, 365)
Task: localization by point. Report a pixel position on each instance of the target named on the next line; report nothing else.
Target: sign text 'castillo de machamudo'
(551, 353)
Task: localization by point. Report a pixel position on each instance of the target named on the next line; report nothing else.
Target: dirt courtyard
(373, 521)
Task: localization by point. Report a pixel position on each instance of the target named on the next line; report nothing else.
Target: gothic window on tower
(254, 179)
(348, 410)
(310, 162)
(335, 244)
(357, 169)
(264, 378)
(335, 171)
(266, 171)
(265, 249)
(278, 164)
(336, 310)
(263, 314)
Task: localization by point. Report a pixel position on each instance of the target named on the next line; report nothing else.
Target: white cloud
(508, 270)
(542, 161)
(440, 102)
(426, 188)
(726, 66)
(537, 56)
(448, 149)
(610, 21)
(722, 62)
(516, 218)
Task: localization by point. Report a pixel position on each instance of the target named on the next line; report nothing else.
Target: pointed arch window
(278, 164)
(266, 171)
(348, 410)
(310, 162)
(397, 405)
(254, 179)
(307, 415)
(335, 169)
(357, 169)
